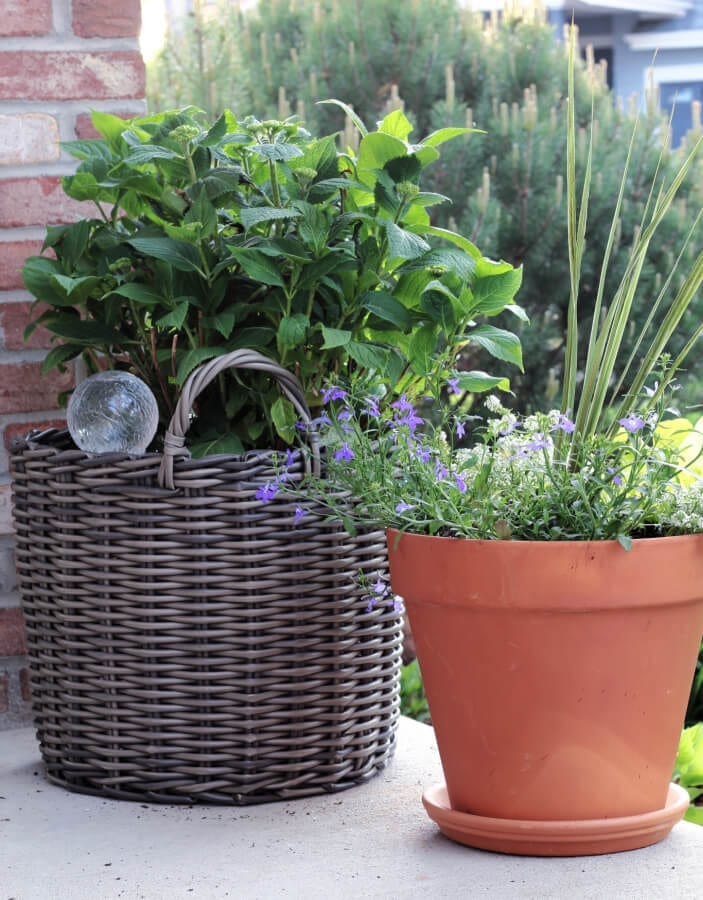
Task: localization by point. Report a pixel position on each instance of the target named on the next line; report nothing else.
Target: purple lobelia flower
(344, 452)
(267, 492)
(632, 423)
(564, 424)
(333, 393)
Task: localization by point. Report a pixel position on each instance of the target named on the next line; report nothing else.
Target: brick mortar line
(66, 43)
(16, 295)
(10, 601)
(11, 357)
(18, 418)
(22, 233)
(38, 170)
(54, 107)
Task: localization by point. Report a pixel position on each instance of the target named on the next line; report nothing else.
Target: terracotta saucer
(555, 838)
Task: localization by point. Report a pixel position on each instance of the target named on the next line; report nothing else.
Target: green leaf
(446, 134)
(395, 366)
(291, 248)
(441, 305)
(284, 417)
(56, 357)
(404, 244)
(410, 286)
(376, 149)
(343, 184)
(396, 124)
(179, 254)
(485, 266)
(292, 331)
(313, 227)
(518, 312)
(369, 355)
(334, 337)
(74, 242)
(253, 339)
(258, 267)
(477, 382)
(141, 293)
(38, 274)
(223, 322)
(83, 331)
(442, 260)
(222, 181)
(228, 443)
(176, 317)
(77, 288)
(202, 212)
(215, 134)
(689, 759)
(314, 272)
(428, 198)
(109, 126)
(498, 342)
(82, 186)
(320, 155)
(694, 814)
(494, 292)
(452, 237)
(423, 343)
(425, 155)
(403, 168)
(258, 214)
(385, 306)
(145, 184)
(193, 358)
(87, 149)
(149, 152)
(349, 112)
(625, 541)
(280, 152)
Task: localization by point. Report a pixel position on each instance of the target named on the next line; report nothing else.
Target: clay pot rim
(649, 541)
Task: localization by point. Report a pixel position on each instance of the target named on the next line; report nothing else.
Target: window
(680, 95)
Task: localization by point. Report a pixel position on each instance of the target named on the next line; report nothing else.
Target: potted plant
(552, 572)
(185, 643)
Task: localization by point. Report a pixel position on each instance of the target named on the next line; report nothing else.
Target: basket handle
(200, 378)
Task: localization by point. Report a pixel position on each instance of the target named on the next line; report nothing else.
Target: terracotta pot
(557, 674)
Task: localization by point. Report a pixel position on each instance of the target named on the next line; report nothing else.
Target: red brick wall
(58, 60)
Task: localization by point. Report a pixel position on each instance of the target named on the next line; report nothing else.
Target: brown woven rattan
(192, 644)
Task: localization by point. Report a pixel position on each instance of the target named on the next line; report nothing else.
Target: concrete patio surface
(373, 841)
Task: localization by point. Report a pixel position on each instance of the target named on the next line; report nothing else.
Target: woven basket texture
(196, 645)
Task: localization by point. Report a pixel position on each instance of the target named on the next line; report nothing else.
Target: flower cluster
(380, 592)
(523, 477)
(283, 475)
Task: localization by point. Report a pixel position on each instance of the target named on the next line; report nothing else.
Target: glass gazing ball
(112, 412)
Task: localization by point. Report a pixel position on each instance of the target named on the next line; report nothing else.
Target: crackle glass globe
(112, 412)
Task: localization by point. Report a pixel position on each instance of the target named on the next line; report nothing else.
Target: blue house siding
(678, 71)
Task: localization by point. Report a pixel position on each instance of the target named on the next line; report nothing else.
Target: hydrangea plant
(208, 238)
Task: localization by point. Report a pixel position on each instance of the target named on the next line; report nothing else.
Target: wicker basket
(189, 643)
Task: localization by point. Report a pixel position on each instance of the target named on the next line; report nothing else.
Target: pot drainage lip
(529, 837)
